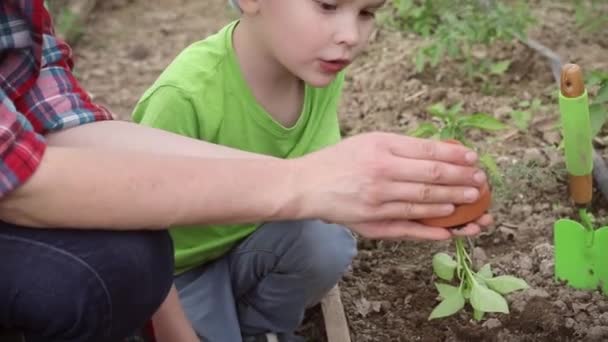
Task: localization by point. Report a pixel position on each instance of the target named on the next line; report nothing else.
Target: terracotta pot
(463, 213)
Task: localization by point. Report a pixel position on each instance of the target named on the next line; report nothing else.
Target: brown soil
(389, 292)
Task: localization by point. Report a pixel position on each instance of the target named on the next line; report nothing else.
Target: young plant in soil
(482, 289)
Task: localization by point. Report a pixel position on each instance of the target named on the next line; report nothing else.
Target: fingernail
(471, 194)
(447, 209)
(471, 157)
(479, 177)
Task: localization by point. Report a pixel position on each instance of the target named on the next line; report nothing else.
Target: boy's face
(314, 39)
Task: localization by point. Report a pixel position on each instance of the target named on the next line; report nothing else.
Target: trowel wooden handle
(572, 85)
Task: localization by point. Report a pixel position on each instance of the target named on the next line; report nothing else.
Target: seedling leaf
(484, 299)
(447, 133)
(445, 290)
(482, 121)
(480, 280)
(499, 68)
(602, 94)
(437, 110)
(478, 315)
(598, 115)
(425, 130)
(521, 119)
(444, 266)
(485, 271)
(448, 306)
(455, 109)
(506, 284)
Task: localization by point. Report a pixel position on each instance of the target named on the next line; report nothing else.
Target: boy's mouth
(334, 65)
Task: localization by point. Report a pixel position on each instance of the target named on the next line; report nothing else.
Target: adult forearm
(130, 136)
(112, 189)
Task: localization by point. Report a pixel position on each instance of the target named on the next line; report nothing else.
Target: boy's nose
(347, 33)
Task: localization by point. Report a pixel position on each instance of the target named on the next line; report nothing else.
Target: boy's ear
(250, 6)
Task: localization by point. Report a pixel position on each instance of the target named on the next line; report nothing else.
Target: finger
(427, 149)
(468, 230)
(427, 193)
(408, 211)
(486, 220)
(408, 230)
(435, 172)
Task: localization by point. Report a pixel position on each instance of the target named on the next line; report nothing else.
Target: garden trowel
(580, 250)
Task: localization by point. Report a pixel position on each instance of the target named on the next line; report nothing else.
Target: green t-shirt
(202, 94)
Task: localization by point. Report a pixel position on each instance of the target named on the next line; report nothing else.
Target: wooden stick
(600, 169)
(572, 86)
(336, 325)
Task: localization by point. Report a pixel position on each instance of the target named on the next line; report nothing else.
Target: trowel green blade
(600, 249)
(573, 255)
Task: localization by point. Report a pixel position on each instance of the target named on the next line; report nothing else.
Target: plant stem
(463, 259)
(585, 218)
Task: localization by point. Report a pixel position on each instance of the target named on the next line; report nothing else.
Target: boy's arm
(170, 321)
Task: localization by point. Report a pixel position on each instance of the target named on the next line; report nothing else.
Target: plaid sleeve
(56, 100)
(38, 92)
(20, 147)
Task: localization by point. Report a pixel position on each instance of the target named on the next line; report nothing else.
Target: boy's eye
(326, 6)
(368, 14)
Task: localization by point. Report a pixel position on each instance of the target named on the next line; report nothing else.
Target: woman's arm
(125, 189)
(126, 135)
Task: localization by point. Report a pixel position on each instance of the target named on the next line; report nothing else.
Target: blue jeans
(266, 282)
(76, 285)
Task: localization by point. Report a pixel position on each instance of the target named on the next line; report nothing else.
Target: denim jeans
(81, 285)
(265, 284)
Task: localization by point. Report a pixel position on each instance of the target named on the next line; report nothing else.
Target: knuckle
(429, 148)
(378, 168)
(408, 209)
(435, 172)
(425, 193)
(372, 194)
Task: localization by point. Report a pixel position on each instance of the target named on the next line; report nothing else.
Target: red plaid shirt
(38, 93)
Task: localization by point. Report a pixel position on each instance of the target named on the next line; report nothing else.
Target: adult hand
(384, 177)
(409, 230)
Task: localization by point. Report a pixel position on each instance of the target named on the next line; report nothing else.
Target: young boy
(269, 82)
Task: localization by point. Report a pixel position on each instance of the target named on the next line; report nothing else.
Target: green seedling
(454, 124)
(481, 289)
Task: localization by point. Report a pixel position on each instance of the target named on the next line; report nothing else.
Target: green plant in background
(598, 109)
(454, 124)
(482, 289)
(67, 23)
(591, 15)
(454, 28)
(523, 115)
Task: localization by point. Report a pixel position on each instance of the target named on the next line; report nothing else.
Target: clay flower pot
(463, 213)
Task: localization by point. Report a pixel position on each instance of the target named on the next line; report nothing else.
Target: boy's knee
(325, 250)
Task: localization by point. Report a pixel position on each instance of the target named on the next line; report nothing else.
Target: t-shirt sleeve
(21, 148)
(168, 108)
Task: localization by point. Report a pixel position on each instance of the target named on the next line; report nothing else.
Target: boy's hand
(382, 177)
